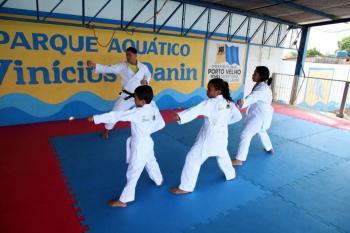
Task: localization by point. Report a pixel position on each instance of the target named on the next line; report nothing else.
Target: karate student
(145, 119)
(219, 111)
(259, 114)
(133, 74)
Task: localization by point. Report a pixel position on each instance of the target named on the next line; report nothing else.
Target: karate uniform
(139, 147)
(211, 140)
(130, 81)
(259, 117)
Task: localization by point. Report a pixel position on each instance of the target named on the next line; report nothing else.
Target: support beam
(239, 28)
(248, 30)
(83, 12)
(343, 101)
(137, 14)
(270, 36)
(122, 14)
(299, 32)
(284, 37)
(291, 38)
(37, 10)
(101, 9)
(302, 50)
(196, 21)
(183, 18)
(3, 3)
(256, 31)
(229, 27)
(300, 62)
(264, 33)
(219, 25)
(52, 10)
(155, 16)
(294, 40)
(279, 34)
(169, 17)
(208, 23)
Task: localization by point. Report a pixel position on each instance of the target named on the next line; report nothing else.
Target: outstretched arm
(115, 116)
(105, 69)
(192, 113)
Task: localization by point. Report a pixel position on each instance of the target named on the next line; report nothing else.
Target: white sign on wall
(226, 60)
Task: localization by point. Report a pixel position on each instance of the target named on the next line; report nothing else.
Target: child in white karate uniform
(219, 111)
(259, 115)
(145, 119)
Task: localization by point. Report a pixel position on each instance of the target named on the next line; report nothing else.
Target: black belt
(130, 95)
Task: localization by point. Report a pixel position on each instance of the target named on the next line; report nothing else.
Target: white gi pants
(252, 126)
(194, 161)
(139, 156)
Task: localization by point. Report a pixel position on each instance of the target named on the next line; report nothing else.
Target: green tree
(313, 52)
(344, 44)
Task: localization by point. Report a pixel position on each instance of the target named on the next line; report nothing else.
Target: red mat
(322, 118)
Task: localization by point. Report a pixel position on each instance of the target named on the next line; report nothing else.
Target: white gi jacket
(144, 121)
(218, 113)
(129, 80)
(259, 104)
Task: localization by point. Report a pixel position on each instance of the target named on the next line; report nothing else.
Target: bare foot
(105, 134)
(161, 184)
(176, 190)
(176, 117)
(270, 151)
(114, 203)
(236, 162)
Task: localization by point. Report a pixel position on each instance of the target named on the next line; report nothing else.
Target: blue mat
(270, 194)
(335, 141)
(97, 175)
(296, 128)
(271, 214)
(325, 194)
(291, 162)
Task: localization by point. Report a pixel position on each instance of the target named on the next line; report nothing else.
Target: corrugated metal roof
(297, 12)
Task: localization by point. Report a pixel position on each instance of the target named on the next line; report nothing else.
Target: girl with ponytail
(259, 114)
(218, 111)
(221, 86)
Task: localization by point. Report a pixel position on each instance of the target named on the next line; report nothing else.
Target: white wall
(264, 56)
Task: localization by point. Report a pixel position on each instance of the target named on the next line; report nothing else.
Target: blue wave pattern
(38, 108)
(23, 109)
(331, 106)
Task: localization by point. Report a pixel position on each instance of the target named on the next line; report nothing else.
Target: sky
(325, 38)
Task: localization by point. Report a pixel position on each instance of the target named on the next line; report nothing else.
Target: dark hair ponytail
(269, 81)
(226, 92)
(221, 85)
(264, 74)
